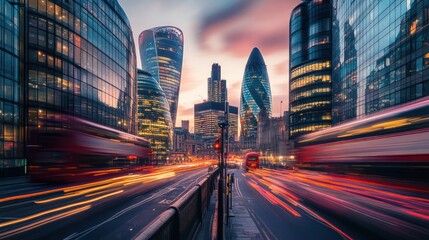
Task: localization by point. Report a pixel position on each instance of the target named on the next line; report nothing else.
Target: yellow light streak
(57, 209)
(44, 221)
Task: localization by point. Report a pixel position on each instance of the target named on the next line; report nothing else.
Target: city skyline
(88, 149)
(223, 32)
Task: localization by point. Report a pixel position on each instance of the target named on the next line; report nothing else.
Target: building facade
(380, 57)
(310, 67)
(273, 141)
(255, 97)
(11, 131)
(180, 153)
(206, 119)
(81, 62)
(215, 86)
(185, 125)
(161, 52)
(153, 117)
(75, 58)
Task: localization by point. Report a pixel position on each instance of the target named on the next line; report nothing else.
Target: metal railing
(183, 218)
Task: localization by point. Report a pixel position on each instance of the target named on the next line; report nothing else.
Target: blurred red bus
(74, 149)
(251, 161)
(397, 135)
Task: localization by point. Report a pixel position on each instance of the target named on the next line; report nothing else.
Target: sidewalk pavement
(241, 224)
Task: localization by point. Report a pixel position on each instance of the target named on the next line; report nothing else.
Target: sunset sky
(224, 32)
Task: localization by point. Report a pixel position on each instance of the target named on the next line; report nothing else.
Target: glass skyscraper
(380, 55)
(161, 52)
(11, 131)
(255, 96)
(81, 62)
(153, 117)
(310, 87)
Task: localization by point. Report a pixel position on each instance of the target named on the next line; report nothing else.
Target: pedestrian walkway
(241, 224)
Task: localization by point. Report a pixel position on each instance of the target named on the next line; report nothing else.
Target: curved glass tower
(161, 52)
(11, 137)
(310, 67)
(255, 95)
(381, 56)
(81, 62)
(153, 117)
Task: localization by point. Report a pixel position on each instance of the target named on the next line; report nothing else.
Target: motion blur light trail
(62, 202)
(274, 200)
(385, 208)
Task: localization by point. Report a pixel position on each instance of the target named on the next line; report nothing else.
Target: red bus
(390, 142)
(251, 161)
(73, 149)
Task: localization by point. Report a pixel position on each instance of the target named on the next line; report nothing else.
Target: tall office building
(380, 57)
(11, 131)
(255, 97)
(80, 64)
(207, 115)
(310, 67)
(77, 63)
(185, 125)
(161, 52)
(64, 61)
(215, 86)
(153, 117)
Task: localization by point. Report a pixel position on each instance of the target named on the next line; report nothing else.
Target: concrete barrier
(183, 218)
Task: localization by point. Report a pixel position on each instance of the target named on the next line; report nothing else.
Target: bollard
(230, 189)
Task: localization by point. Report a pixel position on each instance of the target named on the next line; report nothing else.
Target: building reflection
(382, 53)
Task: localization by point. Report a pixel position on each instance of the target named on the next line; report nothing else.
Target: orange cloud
(264, 24)
(188, 80)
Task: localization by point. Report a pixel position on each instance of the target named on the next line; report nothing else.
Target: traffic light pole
(221, 198)
(221, 189)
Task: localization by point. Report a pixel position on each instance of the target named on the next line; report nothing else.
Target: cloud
(282, 68)
(236, 30)
(186, 110)
(188, 80)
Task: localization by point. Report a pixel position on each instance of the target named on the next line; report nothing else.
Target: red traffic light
(217, 144)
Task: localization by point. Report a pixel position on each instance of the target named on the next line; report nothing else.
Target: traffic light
(217, 144)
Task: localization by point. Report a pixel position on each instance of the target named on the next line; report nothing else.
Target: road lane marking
(125, 210)
(267, 234)
(43, 222)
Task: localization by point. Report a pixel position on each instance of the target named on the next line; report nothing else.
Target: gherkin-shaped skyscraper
(255, 98)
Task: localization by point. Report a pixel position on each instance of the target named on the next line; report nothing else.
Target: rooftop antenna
(202, 98)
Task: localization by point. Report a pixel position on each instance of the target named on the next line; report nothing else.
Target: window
(42, 5)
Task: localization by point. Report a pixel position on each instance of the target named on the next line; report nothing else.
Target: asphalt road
(271, 218)
(110, 209)
(285, 204)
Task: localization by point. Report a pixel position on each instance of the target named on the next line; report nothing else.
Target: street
(115, 208)
(285, 204)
